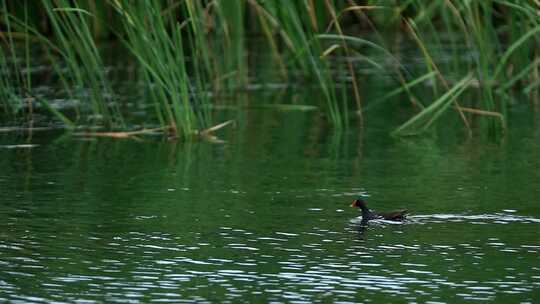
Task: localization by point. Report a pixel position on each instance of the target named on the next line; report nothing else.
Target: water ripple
(496, 218)
(317, 262)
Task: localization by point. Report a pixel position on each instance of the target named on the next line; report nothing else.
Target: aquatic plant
(488, 32)
(477, 58)
(77, 47)
(11, 77)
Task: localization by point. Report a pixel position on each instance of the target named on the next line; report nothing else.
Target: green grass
(71, 27)
(162, 61)
(183, 50)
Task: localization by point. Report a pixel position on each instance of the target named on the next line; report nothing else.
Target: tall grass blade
(421, 121)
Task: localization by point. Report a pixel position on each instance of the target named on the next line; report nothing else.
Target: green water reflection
(265, 216)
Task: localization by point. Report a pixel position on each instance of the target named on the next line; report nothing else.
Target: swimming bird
(397, 215)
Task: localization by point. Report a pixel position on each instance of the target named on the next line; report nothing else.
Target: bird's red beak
(353, 204)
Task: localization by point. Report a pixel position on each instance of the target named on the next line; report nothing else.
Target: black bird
(397, 215)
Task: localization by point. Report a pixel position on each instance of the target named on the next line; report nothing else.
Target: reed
(300, 33)
(156, 41)
(71, 28)
(186, 49)
(11, 77)
(7, 92)
(486, 29)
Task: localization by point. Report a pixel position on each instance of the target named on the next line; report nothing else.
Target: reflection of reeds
(186, 49)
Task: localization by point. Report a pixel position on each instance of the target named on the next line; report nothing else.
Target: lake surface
(265, 216)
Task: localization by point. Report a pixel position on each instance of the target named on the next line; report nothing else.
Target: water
(265, 216)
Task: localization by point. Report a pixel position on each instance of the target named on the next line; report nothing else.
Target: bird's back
(394, 215)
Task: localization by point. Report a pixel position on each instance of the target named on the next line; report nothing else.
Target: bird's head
(358, 203)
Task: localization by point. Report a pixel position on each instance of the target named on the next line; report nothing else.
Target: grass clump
(473, 58)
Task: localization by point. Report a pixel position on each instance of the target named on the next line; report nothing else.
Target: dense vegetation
(478, 57)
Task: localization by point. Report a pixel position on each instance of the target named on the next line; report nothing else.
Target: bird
(397, 215)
